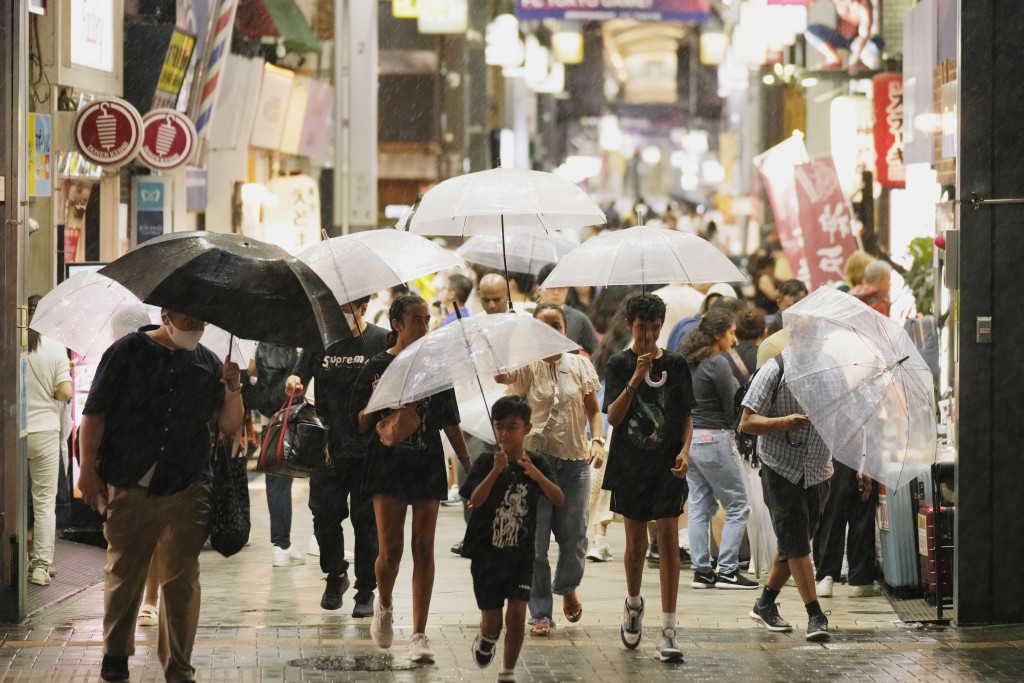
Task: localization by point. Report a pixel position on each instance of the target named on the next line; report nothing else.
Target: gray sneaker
(665, 647)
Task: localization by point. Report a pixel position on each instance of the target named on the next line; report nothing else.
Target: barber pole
(218, 46)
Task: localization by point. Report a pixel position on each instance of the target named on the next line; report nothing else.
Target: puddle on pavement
(353, 663)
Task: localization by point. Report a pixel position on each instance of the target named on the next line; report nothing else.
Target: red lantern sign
(108, 132)
(168, 139)
(889, 129)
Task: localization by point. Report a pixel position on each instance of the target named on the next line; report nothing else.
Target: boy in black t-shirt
(503, 488)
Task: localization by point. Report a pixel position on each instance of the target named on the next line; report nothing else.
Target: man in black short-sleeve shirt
(145, 448)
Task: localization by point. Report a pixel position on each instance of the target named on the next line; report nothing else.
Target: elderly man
(493, 290)
(874, 291)
(146, 444)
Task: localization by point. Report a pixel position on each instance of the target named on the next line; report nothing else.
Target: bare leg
(803, 575)
(515, 625)
(424, 523)
(633, 556)
(779, 574)
(668, 537)
(390, 514)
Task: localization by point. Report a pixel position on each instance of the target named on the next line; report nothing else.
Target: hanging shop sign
(775, 170)
(603, 10)
(92, 34)
(168, 139)
(888, 129)
(108, 132)
(293, 222)
(174, 69)
(826, 221)
(151, 207)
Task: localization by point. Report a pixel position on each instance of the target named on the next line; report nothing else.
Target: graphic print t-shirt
(653, 429)
(505, 523)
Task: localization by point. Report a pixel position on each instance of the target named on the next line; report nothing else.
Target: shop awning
(282, 18)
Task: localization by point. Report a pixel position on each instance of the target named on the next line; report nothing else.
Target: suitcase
(896, 530)
(935, 538)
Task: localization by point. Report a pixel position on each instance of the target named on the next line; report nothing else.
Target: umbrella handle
(231, 343)
(656, 384)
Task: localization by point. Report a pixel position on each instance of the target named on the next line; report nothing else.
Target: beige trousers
(138, 523)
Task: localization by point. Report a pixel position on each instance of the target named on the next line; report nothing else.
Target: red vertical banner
(826, 221)
(775, 169)
(888, 129)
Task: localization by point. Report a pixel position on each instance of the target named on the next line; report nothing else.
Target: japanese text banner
(600, 10)
(826, 222)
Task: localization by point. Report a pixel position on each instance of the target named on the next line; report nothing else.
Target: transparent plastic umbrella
(356, 265)
(499, 201)
(863, 384)
(459, 353)
(88, 312)
(643, 255)
(524, 253)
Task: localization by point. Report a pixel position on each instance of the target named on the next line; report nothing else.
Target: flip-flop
(572, 608)
(541, 628)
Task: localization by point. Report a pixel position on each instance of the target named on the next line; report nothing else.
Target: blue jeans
(279, 504)
(569, 523)
(715, 475)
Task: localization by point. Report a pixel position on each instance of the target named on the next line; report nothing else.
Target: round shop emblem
(168, 139)
(108, 132)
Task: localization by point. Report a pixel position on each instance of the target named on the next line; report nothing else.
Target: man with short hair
(146, 449)
(335, 491)
(790, 292)
(493, 291)
(459, 289)
(795, 470)
(578, 325)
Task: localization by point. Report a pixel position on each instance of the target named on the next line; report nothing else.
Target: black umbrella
(251, 289)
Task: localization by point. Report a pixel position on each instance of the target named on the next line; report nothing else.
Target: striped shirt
(810, 461)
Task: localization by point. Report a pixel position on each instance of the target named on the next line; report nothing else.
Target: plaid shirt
(811, 461)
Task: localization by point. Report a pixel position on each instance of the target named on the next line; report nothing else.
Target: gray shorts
(795, 511)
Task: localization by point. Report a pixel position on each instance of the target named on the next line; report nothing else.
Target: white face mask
(187, 340)
(350, 319)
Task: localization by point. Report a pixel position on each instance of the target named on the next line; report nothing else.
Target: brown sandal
(572, 608)
(541, 628)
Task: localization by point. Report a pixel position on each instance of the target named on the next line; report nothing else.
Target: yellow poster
(404, 9)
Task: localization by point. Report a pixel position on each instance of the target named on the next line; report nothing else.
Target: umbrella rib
(676, 256)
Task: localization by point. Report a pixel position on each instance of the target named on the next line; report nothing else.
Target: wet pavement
(261, 623)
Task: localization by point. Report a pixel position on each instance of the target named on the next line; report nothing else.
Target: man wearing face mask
(332, 488)
(146, 449)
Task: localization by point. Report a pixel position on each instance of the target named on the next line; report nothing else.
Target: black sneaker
(336, 585)
(653, 557)
(817, 628)
(483, 650)
(768, 615)
(114, 669)
(735, 581)
(684, 558)
(457, 548)
(703, 580)
(363, 605)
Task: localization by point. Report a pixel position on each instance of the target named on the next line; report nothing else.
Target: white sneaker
(288, 558)
(419, 649)
(40, 575)
(665, 647)
(453, 496)
(866, 591)
(598, 550)
(382, 627)
(824, 587)
(313, 548)
(632, 624)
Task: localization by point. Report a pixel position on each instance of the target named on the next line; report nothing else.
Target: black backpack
(273, 365)
(746, 444)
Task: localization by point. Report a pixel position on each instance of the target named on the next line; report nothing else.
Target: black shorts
(498, 577)
(658, 497)
(795, 511)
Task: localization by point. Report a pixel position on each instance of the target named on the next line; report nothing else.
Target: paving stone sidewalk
(264, 624)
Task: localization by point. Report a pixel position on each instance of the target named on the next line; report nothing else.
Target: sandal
(541, 628)
(149, 615)
(572, 608)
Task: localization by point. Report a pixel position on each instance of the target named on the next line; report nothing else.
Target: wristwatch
(598, 439)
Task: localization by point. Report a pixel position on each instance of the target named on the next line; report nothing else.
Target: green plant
(921, 276)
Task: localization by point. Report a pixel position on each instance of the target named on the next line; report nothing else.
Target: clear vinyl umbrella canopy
(458, 353)
(502, 200)
(863, 384)
(88, 312)
(643, 255)
(357, 265)
(522, 253)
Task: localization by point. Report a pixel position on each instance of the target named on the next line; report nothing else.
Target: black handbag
(295, 441)
(229, 501)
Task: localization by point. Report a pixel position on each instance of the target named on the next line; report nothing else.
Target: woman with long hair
(562, 392)
(411, 473)
(715, 472)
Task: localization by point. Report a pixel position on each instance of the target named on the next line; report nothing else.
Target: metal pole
(13, 257)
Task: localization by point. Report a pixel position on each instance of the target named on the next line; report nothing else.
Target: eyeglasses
(188, 323)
